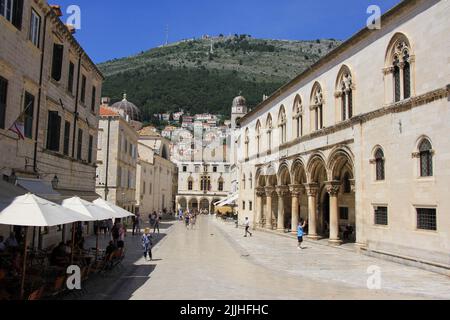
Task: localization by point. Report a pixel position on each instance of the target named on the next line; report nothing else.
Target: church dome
(128, 108)
(239, 102)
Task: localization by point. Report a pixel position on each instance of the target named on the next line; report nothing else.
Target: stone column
(260, 193)
(282, 191)
(296, 191)
(269, 192)
(333, 191)
(312, 190)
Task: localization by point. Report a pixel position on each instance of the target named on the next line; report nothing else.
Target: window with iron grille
(350, 104)
(243, 205)
(3, 96)
(381, 216)
(406, 76)
(343, 213)
(397, 82)
(250, 205)
(426, 159)
(426, 219)
(379, 163)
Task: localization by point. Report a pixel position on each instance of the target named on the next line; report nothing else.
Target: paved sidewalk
(334, 265)
(134, 271)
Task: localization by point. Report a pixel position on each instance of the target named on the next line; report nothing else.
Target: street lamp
(55, 182)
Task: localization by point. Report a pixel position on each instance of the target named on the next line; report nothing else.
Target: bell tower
(238, 110)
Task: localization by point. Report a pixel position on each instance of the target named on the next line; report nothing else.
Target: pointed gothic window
(379, 163)
(426, 159)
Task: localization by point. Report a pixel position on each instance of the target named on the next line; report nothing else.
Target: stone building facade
(49, 91)
(204, 168)
(117, 158)
(358, 144)
(156, 174)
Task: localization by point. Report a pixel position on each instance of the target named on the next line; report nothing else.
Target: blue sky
(117, 28)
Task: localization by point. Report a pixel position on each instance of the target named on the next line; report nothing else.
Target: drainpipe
(107, 159)
(38, 111)
(75, 115)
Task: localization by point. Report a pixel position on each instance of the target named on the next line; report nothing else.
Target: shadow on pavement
(121, 282)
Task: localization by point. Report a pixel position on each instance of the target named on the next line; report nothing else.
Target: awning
(228, 201)
(8, 192)
(40, 188)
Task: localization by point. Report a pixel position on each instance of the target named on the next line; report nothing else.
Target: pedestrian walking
(300, 233)
(138, 223)
(247, 227)
(156, 223)
(187, 220)
(193, 221)
(147, 244)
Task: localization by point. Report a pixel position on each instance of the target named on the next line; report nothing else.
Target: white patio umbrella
(118, 212)
(31, 211)
(92, 213)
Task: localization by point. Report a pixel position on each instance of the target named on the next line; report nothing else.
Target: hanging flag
(18, 127)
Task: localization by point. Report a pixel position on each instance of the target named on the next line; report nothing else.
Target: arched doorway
(182, 204)
(324, 218)
(204, 206)
(342, 171)
(284, 215)
(318, 177)
(193, 204)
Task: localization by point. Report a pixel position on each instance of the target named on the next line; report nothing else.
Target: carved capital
(415, 155)
(296, 189)
(388, 70)
(338, 94)
(282, 191)
(269, 191)
(312, 189)
(333, 187)
(260, 192)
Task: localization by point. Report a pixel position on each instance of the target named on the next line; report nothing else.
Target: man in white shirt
(247, 227)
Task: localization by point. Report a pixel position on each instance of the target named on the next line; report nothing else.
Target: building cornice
(332, 55)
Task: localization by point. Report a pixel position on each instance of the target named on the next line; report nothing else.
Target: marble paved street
(215, 261)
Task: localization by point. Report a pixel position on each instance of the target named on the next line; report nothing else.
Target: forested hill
(204, 75)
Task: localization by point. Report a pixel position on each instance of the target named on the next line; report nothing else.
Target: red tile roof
(107, 112)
